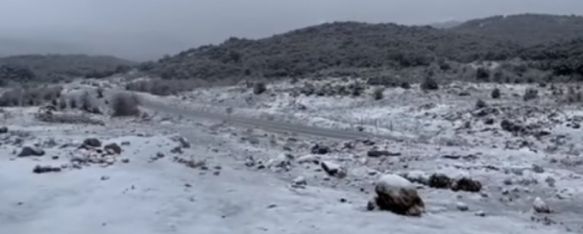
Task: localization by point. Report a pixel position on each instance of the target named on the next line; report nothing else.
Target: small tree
(125, 105)
(378, 93)
(429, 84)
(259, 88)
(530, 94)
(482, 74)
(496, 93)
(481, 104)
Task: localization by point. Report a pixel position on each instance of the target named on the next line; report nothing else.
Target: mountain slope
(326, 46)
(525, 29)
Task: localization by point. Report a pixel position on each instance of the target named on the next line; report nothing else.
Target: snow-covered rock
(334, 169)
(398, 195)
(540, 206)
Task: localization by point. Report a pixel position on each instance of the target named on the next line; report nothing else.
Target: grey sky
(147, 29)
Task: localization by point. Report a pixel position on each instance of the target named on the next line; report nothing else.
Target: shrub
(124, 104)
(378, 94)
(30, 96)
(481, 104)
(429, 84)
(259, 88)
(482, 74)
(163, 87)
(530, 94)
(496, 93)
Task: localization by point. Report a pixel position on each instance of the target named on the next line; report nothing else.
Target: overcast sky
(147, 29)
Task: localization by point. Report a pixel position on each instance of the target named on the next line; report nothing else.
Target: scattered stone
(55, 157)
(183, 142)
(113, 148)
(190, 163)
(3, 130)
(45, 169)
(176, 150)
(309, 159)
(343, 200)
(368, 142)
(398, 195)
(299, 182)
(540, 206)
(91, 143)
(480, 213)
(125, 160)
(282, 162)
(508, 126)
(462, 206)
(104, 178)
(125, 143)
(250, 161)
(467, 184)
(320, 149)
(29, 151)
(439, 181)
(333, 169)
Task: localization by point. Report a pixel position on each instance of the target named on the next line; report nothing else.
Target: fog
(148, 29)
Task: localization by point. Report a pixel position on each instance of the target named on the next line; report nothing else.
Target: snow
(392, 182)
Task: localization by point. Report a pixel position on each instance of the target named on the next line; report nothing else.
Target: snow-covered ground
(234, 179)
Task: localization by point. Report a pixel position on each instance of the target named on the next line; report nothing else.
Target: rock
(125, 143)
(419, 177)
(104, 178)
(467, 184)
(462, 206)
(28, 151)
(176, 150)
(282, 162)
(125, 160)
(333, 169)
(310, 158)
(480, 213)
(92, 143)
(183, 141)
(540, 206)
(45, 169)
(440, 181)
(508, 126)
(381, 153)
(250, 161)
(299, 182)
(538, 169)
(3, 130)
(113, 148)
(319, 149)
(398, 195)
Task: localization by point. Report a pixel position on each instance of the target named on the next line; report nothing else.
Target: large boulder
(113, 148)
(92, 143)
(398, 195)
(29, 151)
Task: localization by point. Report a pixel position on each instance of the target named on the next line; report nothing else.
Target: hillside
(564, 58)
(525, 29)
(328, 46)
(58, 67)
